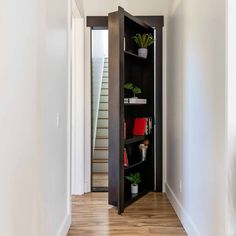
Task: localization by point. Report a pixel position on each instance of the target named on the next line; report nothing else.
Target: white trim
(65, 226)
(184, 217)
(164, 107)
(78, 106)
(77, 111)
(87, 111)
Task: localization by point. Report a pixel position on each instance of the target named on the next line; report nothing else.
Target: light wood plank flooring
(150, 215)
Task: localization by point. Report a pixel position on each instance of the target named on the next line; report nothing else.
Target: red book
(140, 126)
(126, 163)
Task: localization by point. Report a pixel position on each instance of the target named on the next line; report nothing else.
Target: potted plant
(135, 179)
(134, 89)
(143, 41)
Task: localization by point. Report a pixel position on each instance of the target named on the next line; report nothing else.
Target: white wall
(231, 117)
(99, 43)
(33, 84)
(196, 122)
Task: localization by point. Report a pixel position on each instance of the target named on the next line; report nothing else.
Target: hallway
(150, 215)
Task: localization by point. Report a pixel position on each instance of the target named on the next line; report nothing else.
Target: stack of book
(135, 101)
(142, 126)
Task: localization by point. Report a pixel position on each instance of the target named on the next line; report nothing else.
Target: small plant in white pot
(143, 41)
(135, 89)
(135, 179)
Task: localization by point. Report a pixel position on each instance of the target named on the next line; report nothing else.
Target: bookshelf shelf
(132, 198)
(134, 104)
(135, 165)
(131, 54)
(134, 139)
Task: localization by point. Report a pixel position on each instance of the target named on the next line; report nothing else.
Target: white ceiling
(135, 7)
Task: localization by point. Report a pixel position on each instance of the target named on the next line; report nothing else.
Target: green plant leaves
(134, 178)
(144, 40)
(137, 90)
(129, 86)
(134, 89)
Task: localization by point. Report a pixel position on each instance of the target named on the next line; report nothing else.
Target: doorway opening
(99, 105)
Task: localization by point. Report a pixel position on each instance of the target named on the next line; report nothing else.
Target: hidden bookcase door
(133, 133)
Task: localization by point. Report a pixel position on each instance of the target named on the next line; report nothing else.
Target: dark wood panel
(159, 101)
(116, 111)
(102, 21)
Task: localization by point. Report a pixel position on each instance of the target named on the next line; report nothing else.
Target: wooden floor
(100, 179)
(150, 215)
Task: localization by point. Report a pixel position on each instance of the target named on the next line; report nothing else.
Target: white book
(137, 100)
(126, 100)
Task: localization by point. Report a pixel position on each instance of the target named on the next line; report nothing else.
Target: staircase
(100, 157)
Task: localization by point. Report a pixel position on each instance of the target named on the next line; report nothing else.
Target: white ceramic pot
(142, 52)
(134, 189)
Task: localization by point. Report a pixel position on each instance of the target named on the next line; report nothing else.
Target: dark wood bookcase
(126, 66)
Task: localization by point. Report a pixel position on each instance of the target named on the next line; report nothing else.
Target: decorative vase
(134, 189)
(142, 52)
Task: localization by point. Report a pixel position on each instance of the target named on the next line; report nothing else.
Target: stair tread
(100, 161)
(101, 148)
(102, 127)
(101, 137)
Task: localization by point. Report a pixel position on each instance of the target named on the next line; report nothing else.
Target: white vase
(134, 189)
(142, 52)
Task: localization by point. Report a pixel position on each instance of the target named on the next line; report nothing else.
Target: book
(142, 126)
(126, 163)
(137, 101)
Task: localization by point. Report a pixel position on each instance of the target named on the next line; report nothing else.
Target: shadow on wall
(232, 194)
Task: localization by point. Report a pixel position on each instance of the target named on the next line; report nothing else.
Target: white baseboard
(184, 217)
(65, 226)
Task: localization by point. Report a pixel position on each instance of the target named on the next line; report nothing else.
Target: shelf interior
(134, 139)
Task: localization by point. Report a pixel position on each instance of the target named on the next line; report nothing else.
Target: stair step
(100, 167)
(103, 114)
(103, 105)
(102, 127)
(102, 132)
(102, 137)
(102, 123)
(100, 143)
(100, 160)
(101, 109)
(105, 85)
(104, 92)
(103, 118)
(104, 99)
(100, 154)
(105, 79)
(101, 148)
